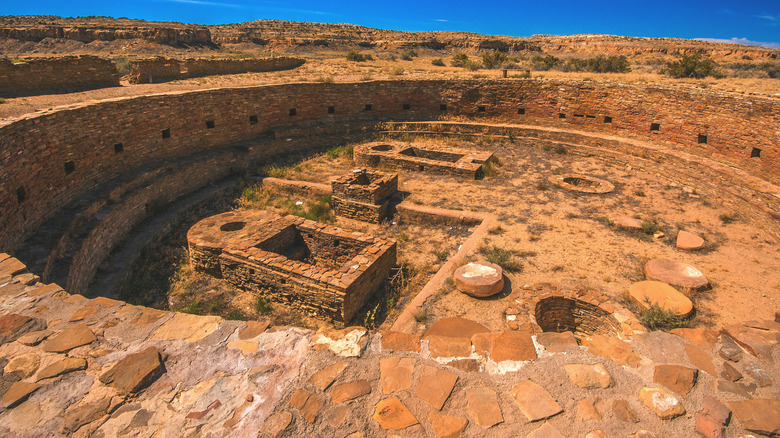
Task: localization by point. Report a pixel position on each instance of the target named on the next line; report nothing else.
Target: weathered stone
(700, 336)
(62, 366)
(445, 346)
(626, 222)
(642, 433)
(613, 349)
(758, 374)
(708, 427)
(276, 424)
(759, 343)
(246, 347)
(13, 325)
(588, 410)
(588, 376)
(17, 393)
(197, 415)
(732, 388)
(506, 345)
(135, 371)
(660, 347)
(336, 415)
(645, 294)
(623, 411)
(83, 414)
(664, 404)
(447, 426)
(186, 327)
(759, 415)
(482, 405)
(596, 434)
(730, 350)
(24, 364)
(678, 378)
(455, 328)
(700, 359)
(466, 365)
(712, 407)
(546, 430)
(558, 342)
(252, 330)
(534, 402)
(675, 273)
(391, 414)
(348, 342)
(479, 280)
(82, 314)
(103, 302)
(399, 341)
(325, 377)
(33, 338)
(688, 241)
(70, 338)
(147, 316)
(239, 413)
(308, 404)
(435, 385)
(349, 391)
(396, 373)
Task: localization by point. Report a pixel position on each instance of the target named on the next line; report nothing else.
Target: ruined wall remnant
(161, 69)
(424, 158)
(320, 269)
(55, 75)
(364, 195)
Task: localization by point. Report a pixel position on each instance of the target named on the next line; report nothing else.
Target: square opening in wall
(443, 107)
(579, 115)
(368, 107)
(253, 120)
(589, 117)
(70, 167)
(21, 194)
(655, 126)
(755, 153)
(293, 112)
(210, 124)
(331, 110)
(702, 139)
(166, 133)
(607, 119)
(561, 115)
(407, 106)
(521, 111)
(119, 148)
(480, 109)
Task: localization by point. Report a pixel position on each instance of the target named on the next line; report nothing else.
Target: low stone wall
(165, 69)
(364, 195)
(423, 158)
(56, 75)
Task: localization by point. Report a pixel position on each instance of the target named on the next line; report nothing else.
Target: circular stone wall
(559, 314)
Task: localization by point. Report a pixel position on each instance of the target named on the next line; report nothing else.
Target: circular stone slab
(689, 241)
(676, 273)
(646, 293)
(481, 279)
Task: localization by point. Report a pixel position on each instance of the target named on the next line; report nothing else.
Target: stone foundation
(322, 270)
(364, 195)
(56, 75)
(424, 158)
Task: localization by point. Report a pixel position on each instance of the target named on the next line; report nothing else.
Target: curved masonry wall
(50, 158)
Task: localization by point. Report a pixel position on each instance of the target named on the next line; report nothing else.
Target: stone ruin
(582, 183)
(424, 158)
(320, 269)
(364, 195)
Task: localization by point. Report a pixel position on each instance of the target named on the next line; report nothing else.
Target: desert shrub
(726, 218)
(656, 318)
(324, 79)
(501, 257)
(122, 65)
(340, 151)
(459, 60)
(2, 100)
(545, 62)
(358, 57)
(599, 64)
(397, 71)
(262, 306)
(494, 59)
(437, 62)
(693, 66)
(408, 55)
(650, 226)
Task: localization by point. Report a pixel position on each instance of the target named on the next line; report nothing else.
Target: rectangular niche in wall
(70, 167)
(369, 107)
(331, 110)
(293, 112)
(166, 133)
(521, 111)
(253, 120)
(443, 107)
(210, 124)
(119, 148)
(407, 106)
(21, 195)
(607, 119)
(561, 115)
(702, 138)
(755, 153)
(480, 109)
(655, 126)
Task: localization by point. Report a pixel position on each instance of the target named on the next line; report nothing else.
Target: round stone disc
(688, 241)
(676, 273)
(481, 279)
(646, 293)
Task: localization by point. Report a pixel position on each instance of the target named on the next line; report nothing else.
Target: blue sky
(745, 21)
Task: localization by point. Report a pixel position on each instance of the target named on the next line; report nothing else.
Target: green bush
(599, 64)
(494, 60)
(545, 62)
(437, 62)
(459, 60)
(358, 57)
(501, 257)
(262, 306)
(408, 55)
(693, 66)
(656, 318)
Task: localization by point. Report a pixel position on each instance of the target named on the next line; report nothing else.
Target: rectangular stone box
(363, 195)
(423, 157)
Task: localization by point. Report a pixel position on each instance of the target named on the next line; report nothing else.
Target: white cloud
(441, 20)
(743, 41)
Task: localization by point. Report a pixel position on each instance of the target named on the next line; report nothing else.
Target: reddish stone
(13, 326)
(759, 415)
(507, 345)
(435, 385)
(479, 280)
(627, 222)
(337, 415)
(678, 378)
(349, 391)
(135, 371)
(252, 329)
(390, 413)
(676, 273)
(664, 404)
(17, 393)
(708, 427)
(60, 367)
(446, 426)
(82, 313)
(714, 408)
(700, 359)
(396, 373)
(588, 376)
(687, 241)
(546, 430)
(534, 402)
(399, 341)
(325, 377)
(307, 404)
(482, 405)
(445, 346)
(645, 294)
(70, 338)
(623, 411)
(277, 423)
(558, 342)
(588, 410)
(467, 365)
(456, 328)
(700, 336)
(613, 349)
(730, 373)
(197, 415)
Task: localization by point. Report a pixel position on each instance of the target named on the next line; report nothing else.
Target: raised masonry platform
(423, 157)
(364, 195)
(323, 270)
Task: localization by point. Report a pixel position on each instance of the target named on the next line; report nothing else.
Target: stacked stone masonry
(322, 270)
(55, 75)
(424, 158)
(364, 195)
(34, 149)
(166, 69)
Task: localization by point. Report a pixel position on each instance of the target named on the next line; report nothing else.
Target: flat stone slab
(506, 345)
(399, 341)
(13, 326)
(479, 280)
(435, 385)
(396, 373)
(759, 415)
(482, 405)
(325, 377)
(534, 401)
(676, 273)
(391, 414)
(276, 424)
(185, 327)
(700, 336)
(627, 222)
(17, 393)
(24, 364)
(647, 293)
(135, 371)
(613, 349)
(558, 342)
(349, 391)
(308, 404)
(346, 342)
(660, 401)
(455, 327)
(678, 378)
(688, 241)
(70, 338)
(63, 366)
(588, 376)
(546, 430)
(447, 426)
